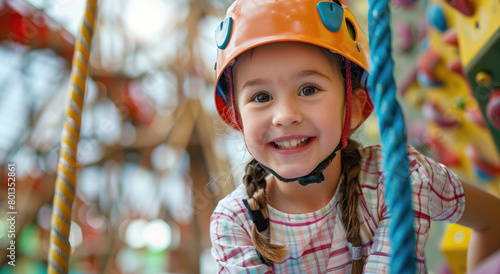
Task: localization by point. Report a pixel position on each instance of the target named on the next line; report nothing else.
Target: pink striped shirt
(317, 240)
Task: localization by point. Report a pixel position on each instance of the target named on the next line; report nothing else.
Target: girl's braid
(349, 190)
(255, 182)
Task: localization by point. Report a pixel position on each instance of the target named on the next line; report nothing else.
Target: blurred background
(154, 158)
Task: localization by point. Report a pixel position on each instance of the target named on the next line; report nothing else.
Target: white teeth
(289, 144)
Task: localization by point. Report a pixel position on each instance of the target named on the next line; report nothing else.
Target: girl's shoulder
(424, 172)
(436, 190)
(232, 204)
(372, 163)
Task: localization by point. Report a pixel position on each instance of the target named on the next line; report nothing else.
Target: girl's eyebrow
(254, 82)
(304, 73)
(313, 72)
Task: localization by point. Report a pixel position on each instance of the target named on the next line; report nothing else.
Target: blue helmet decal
(331, 14)
(223, 32)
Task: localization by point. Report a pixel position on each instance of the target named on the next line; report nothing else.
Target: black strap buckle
(257, 217)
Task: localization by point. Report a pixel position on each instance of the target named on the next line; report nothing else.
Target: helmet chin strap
(316, 176)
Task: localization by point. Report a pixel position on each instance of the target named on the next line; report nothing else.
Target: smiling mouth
(291, 144)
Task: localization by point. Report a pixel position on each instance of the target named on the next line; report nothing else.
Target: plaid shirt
(317, 240)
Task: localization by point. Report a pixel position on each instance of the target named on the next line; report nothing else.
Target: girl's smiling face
(290, 101)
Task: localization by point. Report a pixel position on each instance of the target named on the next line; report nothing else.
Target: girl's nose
(287, 112)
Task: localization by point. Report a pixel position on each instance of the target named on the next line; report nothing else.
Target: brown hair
(255, 182)
(349, 199)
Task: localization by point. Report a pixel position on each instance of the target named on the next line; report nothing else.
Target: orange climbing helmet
(251, 23)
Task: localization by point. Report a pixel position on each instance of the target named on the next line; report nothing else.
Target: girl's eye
(308, 90)
(262, 97)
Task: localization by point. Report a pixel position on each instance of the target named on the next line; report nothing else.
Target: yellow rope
(60, 249)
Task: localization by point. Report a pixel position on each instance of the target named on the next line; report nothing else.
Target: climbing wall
(455, 87)
(454, 131)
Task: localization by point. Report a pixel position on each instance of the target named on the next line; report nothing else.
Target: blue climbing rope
(392, 132)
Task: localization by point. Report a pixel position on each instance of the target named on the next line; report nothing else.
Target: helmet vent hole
(351, 29)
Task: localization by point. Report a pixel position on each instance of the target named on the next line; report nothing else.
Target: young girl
(291, 77)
